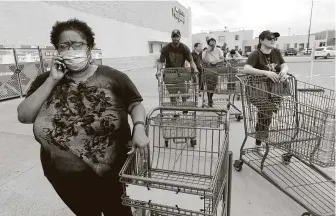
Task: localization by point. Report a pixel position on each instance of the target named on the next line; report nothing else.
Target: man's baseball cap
(266, 33)
(176, 32)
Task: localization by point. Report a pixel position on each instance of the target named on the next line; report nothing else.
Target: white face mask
(75, 60)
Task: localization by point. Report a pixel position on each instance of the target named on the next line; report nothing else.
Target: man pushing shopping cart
(174, 55)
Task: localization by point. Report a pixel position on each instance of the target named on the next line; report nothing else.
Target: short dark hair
(211, 39)
(196, 45)
(72, 24)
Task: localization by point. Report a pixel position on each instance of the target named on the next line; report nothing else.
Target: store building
(299, 42)
(233, 39)
(325, 38)
(244, 40)
(130, 34)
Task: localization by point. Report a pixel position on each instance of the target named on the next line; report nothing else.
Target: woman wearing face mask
(266, 61)
(80, 116)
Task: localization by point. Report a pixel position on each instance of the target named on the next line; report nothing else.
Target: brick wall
(123, 44)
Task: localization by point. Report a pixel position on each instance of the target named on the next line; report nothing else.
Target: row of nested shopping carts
(188, 170)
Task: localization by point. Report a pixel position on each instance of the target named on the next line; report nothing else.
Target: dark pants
(211, 82)
(266, 108)
(200, 79)
(86, 193)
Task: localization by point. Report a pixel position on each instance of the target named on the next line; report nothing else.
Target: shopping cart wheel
(193, 142)
(307, 214)
(239, 117)
(166, 143)
(238, 165)
(286, 158)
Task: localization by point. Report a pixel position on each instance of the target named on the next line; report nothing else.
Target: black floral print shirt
(86, 123)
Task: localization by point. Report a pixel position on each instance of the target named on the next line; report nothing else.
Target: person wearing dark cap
(174, 55)
(212, 55)
(266, 61)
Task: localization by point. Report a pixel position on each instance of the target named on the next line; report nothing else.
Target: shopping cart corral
(179, 179)
(178, 87)
(296, 122)
(220, 80)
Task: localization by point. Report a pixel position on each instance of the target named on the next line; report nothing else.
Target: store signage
(96, 54)
(178, 14)
(7, 56)
(27, 55)
(50, 53)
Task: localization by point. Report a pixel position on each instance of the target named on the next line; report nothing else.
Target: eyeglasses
(272, 38)
(74, 45)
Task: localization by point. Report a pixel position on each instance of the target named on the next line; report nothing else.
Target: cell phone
(60, 67)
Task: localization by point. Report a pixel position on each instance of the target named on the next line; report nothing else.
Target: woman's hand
(272, 75)
(283, 76)
(58, 68)
(140, 141)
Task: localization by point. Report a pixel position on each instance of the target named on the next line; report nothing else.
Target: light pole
(311, 14)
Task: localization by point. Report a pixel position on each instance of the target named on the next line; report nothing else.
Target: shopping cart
(238, 65)
(296, 121)
(181, 180)
(220, 79)
(178, 87)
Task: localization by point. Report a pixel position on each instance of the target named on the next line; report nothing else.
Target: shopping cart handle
(191, 109)
(309, 90)
(242, 75)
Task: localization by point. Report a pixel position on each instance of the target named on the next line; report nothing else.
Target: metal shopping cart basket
(237, 63)
(296, 121)
(171, 132)
(181, 180)
(178, 87)
(220, 79)
(238, 66)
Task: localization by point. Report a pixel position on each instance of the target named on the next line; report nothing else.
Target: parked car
(290, 51)
(325, 52)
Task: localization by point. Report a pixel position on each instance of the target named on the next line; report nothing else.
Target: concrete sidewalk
(25, 191)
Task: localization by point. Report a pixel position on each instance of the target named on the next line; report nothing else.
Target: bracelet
(138, 122)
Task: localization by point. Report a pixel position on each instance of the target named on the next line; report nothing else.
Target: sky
(259, 15)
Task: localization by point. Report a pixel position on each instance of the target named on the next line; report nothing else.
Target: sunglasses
(272, 38)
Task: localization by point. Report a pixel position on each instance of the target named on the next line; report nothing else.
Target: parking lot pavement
(25, 191)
